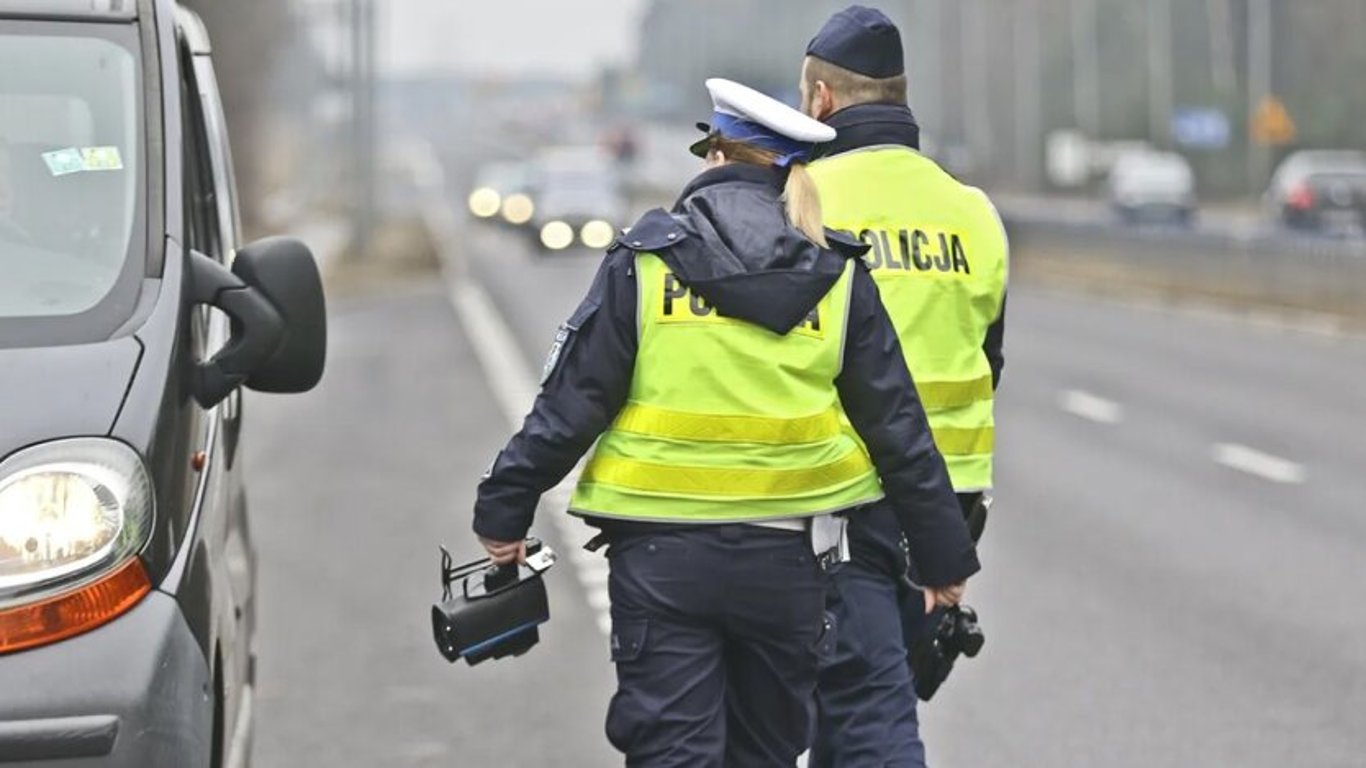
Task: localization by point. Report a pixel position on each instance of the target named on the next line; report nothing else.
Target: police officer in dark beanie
(939, 255)
(711, 358)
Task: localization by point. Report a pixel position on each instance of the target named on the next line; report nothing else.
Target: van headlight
(74, 514)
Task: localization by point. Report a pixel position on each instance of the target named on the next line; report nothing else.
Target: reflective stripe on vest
(727, 421)
(725, 482)
(939, 256)
(681, 425)
(952, 441)
(954, 394)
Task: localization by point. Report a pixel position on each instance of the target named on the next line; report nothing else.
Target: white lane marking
(1089, 406)
(515, 389)
(496, 349)
(1254, 462)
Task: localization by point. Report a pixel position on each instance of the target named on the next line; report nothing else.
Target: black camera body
(932, 656)
(491, 611)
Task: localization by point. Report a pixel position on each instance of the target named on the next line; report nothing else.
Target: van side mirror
(283, 269)
(274, 297)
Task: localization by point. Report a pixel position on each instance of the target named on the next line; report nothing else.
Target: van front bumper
(135, 692)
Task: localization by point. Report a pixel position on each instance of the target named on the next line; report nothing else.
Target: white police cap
(731, 98)
(744, 114)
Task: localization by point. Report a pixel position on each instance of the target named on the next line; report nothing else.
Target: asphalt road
(352, 489)
(1173, 571)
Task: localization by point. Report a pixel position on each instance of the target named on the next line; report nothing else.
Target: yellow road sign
(1272, 125)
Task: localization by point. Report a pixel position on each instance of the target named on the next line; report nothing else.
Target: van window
(201, 202)
(71, 178)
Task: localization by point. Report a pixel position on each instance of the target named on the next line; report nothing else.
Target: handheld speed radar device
(932, 657)
(932, 654)
(491, 611)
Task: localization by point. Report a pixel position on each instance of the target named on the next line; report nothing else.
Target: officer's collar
(731, 173)
(868, 125)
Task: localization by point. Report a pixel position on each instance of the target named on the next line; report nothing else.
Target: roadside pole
(1085, 19)
(1028, 94)
(1159, 71)
(1259, 87)
(362, 27)
(976, 99)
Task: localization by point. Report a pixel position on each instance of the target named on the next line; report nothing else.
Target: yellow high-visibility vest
(939, 255)
(727, 421)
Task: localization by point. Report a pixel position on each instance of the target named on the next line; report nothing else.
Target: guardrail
(1226, 259)
(1265, 269)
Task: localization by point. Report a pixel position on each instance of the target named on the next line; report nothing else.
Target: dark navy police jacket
(729, 241)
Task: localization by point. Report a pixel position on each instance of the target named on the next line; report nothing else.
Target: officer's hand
(504, 552)
(943, 597)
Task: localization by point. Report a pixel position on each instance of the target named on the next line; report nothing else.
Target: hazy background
(992, 81)
(508, 38)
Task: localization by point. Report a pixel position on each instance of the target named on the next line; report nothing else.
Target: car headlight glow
(74, 515)
(557, 235)
(485, 202)
(597, 234)
(67, 508)
(518, 209)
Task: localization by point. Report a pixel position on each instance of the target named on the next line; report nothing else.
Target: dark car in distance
(1322, 191)
(131, 316)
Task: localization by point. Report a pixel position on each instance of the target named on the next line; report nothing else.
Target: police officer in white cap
(710, 362)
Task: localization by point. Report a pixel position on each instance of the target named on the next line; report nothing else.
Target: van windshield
(71, 196)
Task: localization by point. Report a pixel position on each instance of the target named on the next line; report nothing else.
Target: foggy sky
(501, 37)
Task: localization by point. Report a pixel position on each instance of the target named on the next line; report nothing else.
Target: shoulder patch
(564, 337)
(655, 231)
(552, 358)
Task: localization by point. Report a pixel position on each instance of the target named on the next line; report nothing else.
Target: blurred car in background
(1148, 185)
(504, 191)
(1320, 190)
(579, 199)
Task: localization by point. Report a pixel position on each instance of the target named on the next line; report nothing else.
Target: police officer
(938, 255)
(712, 355)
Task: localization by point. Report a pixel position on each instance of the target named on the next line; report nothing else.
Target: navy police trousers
(866, 699)
(715, 636)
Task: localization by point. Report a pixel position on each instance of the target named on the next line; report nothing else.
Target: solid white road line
(496, 349)
(515, 389)
(1090, 407)
(1254, 462)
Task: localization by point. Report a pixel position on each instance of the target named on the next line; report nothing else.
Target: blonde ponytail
(804, 204)
(801, 196)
